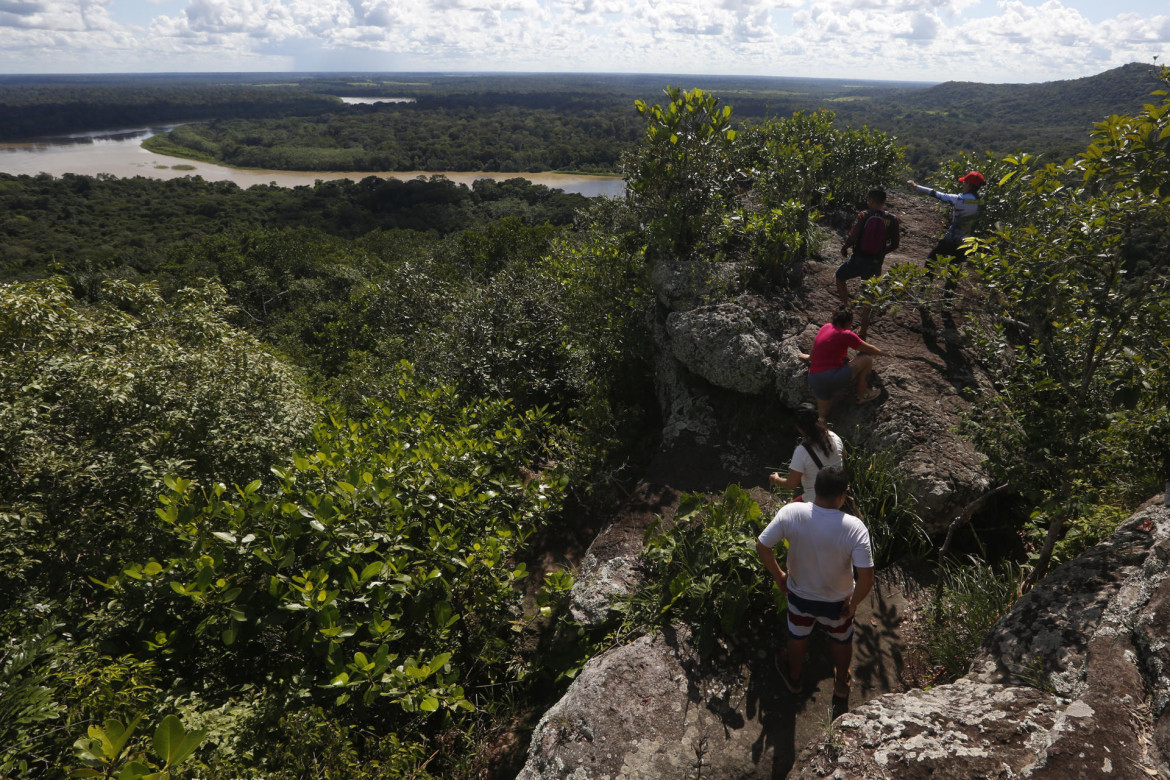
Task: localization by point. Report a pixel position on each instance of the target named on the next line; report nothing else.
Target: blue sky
(921, 40)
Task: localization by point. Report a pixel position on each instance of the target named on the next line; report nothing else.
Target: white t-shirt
(803, 462)
(823, 547)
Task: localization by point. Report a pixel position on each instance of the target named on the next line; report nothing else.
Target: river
(120, 153)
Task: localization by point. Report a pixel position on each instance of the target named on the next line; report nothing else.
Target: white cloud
(1019, 40)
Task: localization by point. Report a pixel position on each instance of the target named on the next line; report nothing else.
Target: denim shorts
(825, 384)
(859, 266)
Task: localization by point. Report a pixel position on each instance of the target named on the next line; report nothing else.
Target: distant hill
(1053, 118)
(1120, 89)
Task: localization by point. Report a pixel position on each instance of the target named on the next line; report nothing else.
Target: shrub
(969, 599)
(886, 504)
(704, 571)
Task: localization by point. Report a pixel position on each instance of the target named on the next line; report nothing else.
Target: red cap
(975, 177)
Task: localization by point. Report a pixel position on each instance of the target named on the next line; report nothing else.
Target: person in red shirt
(830, 370)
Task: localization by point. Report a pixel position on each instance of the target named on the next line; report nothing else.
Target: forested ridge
(31, 110)
(273, 462)
(533, 123)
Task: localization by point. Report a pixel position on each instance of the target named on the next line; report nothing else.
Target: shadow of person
(776, 710)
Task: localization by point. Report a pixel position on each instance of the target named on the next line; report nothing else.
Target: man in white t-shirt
(824, 546)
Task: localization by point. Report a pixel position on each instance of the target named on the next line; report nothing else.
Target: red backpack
(872, 241)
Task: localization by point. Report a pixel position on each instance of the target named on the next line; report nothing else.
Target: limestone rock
(610, 569)
(600, 584)
(960, 731)
(684, 285)
(1094, 633)
(723, 346)
(645, 711)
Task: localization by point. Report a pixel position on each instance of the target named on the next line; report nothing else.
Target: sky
(903, 40)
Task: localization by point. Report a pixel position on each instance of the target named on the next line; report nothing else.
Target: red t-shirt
(830, 347)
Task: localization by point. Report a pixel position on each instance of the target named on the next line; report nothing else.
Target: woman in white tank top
(819, 448)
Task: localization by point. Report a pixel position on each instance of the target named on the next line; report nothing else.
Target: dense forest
(416, 137)
(534, 123)
(80, 222)
(274, 464)
(31, 108)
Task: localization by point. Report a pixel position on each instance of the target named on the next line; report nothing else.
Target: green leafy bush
(886, 504)
(809, 159)
(969, 599)
(703, 571)
(98, 402)
(377, 574)
(682, 177)
(1083, 529)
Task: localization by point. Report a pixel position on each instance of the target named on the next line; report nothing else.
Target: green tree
(681, 178)
(1072, 291)
(98, 402)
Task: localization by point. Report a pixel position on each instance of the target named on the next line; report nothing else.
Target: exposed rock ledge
(1094, 635)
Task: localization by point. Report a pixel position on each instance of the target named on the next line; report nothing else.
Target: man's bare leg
(842, 653)
(843, 292)
(797, 648)
(864, 329)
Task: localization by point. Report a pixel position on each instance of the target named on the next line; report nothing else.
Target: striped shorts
(804, 613)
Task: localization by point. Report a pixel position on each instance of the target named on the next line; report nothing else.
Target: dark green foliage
(969, 598)
(47, 105)
(414, 137)
(886, 504)
(810, 160)
(689, 182)
(683, 174)
(377, 575)
(704, 572)
(95, 227)
(99, 402)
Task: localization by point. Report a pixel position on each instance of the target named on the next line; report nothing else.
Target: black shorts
(861, 266)
(947, 247)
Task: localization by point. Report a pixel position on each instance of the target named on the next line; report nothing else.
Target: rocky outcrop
(749, 345)
(651, 709)
(610, 569)
(646, 711)
(1092, 642)
(722, 345)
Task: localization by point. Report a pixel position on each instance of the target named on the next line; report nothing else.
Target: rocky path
(649, 709)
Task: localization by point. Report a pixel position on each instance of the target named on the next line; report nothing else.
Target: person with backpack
(875, 233)
(819, 448)
(964, 210)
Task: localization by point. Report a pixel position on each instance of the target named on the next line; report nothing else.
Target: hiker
(824, 546)
(964, 209)
(875, 233)
(819, 448)
(829, 371)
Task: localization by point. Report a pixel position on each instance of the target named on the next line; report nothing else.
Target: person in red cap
(965, 208)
